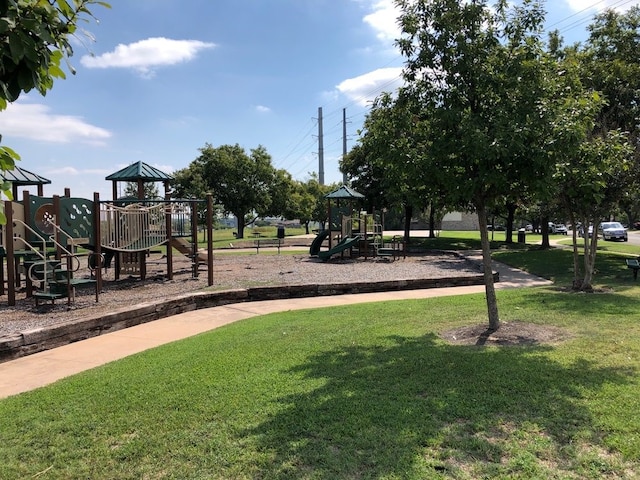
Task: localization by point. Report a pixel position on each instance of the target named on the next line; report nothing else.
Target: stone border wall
(46, 338)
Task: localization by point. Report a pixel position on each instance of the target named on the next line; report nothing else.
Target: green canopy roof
(139, 171)
(20, 176)
(344, 192)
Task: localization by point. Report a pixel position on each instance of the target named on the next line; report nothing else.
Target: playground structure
(49, 239)
(46, 239)
(353, 232)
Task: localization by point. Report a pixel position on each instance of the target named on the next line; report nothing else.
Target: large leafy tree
(244, 184)
(306, 202)
(480, 75)
(390, 163)
(35, 37)
(597, 174)
(612, 66)
(592, 183)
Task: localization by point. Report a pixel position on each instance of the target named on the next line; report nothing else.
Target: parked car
(561, 229)
(613, 231)
(581, 230)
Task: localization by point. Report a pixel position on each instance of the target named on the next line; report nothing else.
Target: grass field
(360, 392)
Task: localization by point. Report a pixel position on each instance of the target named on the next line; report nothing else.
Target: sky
(156, 80)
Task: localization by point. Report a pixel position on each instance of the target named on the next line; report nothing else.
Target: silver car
(613, 231)
(561, 229)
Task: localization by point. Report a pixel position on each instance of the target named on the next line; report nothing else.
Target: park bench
(267, 242)
(635, 265)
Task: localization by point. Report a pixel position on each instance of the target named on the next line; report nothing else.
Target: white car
(613, 231)
(561, 229)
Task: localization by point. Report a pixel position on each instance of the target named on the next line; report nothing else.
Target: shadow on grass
(593, 305)
(418, 406)
(557, 264)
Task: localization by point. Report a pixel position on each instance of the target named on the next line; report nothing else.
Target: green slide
(317, 243)
(345, 243)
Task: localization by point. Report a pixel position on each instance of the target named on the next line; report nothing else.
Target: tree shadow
(381, 407)
(582, 303)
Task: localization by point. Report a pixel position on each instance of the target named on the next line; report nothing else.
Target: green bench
(634, 264)
(267, 242)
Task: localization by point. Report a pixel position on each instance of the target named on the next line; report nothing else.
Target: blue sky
(161, 78)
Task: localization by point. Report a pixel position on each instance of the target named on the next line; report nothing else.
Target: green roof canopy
(139, 171)
(19, 177)
(344, 192)
(22, 177)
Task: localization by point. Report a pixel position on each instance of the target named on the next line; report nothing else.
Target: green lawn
(224, 236)
(359, 392)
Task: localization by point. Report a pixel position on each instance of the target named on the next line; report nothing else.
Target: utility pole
(320, 149)
(344, 142)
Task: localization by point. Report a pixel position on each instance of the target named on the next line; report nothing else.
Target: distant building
(460, 221)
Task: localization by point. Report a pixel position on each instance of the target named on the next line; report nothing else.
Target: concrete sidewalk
(40, 369)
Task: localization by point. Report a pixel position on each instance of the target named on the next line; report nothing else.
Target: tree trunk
(432, 221)
(408, 213)
(240, 220)
(544, 228)
(306, 227)
(577, 279)
(492, 301)
(590, 250)
(511, 213)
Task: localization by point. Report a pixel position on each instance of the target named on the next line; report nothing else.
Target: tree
(244, 184)
(304, 201)
(480, 76)
(150, 190)
(281, 190)
(36, 37)
(388, 165)
(599, 129)
(598, 172)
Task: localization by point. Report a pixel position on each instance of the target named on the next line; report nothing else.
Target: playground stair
(55, 279)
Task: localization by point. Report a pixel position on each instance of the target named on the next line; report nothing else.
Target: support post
(168, 225)
(209, 239)
(320, 148)
(97, 241)
(11, 277)
(194, 239)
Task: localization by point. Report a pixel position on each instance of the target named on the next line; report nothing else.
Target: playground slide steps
(55, 280)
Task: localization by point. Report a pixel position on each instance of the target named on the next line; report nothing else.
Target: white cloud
(383, 20)
(583, 5)
(165, 168)
(36, 122)
(64, 171)
(364, 88)
(262, 109)
(144, 55)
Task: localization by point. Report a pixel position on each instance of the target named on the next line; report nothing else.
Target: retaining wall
(45, 338)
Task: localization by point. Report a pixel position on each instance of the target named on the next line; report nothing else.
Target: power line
(577, 19)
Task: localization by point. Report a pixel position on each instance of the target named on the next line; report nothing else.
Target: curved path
(40, 369)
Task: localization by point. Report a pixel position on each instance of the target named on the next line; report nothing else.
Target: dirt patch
(509, 334)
